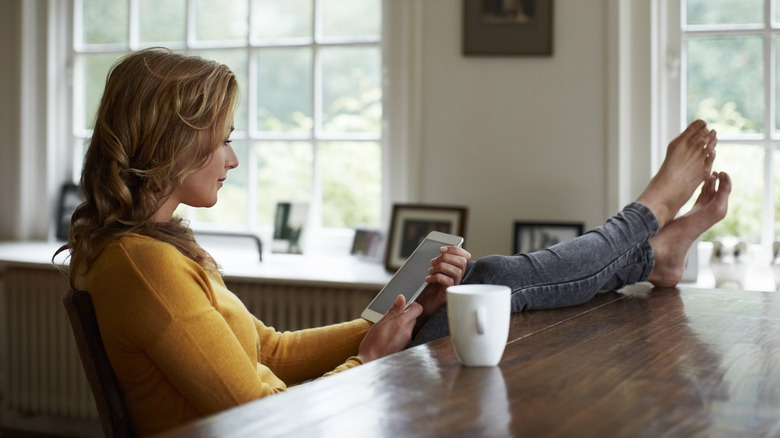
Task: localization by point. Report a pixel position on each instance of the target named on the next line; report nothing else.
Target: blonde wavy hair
(161, 116)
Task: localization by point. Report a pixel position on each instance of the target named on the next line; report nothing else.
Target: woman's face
(199, 188)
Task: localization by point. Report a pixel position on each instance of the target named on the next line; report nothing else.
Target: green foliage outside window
(745, 164)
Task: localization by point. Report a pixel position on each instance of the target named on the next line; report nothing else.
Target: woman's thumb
(399, 305)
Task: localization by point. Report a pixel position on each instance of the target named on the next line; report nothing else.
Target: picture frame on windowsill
(533, 236)
(410, 224)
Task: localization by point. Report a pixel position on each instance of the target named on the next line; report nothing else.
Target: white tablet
(409, 280)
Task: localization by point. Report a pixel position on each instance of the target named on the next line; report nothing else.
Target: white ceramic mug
(478, 316)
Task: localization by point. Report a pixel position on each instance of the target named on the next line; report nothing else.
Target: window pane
(352, 94)
(237, 61)
(284, 93)
(776, 164)
(351, 184)
(283, 157)
(284, 173)
(232, 199)
(221, 20)
(725, 11)
(339, 18)
(104, 22)
(776, 128)
(162, 21)
(725, 82)
(281, 19)
(745, 165)
(90, 80)
(776, 8)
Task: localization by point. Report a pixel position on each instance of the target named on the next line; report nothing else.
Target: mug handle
(481, 316)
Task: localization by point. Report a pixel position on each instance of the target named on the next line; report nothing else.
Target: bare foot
(671, 244)
(688, 162)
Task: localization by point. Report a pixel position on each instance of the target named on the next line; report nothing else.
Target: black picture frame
(502, 28)
(368, 244)
(533, 236)
(410, 224)
(70, 198)
(289, 227)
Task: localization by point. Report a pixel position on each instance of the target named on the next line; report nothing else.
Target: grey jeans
(613, 255)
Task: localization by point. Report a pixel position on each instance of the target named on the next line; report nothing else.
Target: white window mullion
(133, 38)
(190, 26)
(251, 193)
(768, 219)
(250, 127)
(315, 213)
(768, 216)
(189, 31)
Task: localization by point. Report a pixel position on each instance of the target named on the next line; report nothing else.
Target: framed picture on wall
(533, 236)
(412, 222)
(508, 27)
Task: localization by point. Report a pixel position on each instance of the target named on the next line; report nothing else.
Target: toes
(713, 139)
(724, 183)
(709, 158)
(691, 134)
(708, 189)
(721, 197)
(695, 127)
(704, 139)
(710, 141)
(712, 182)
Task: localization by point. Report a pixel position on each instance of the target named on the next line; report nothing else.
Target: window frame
(66, 49)
(672, 35)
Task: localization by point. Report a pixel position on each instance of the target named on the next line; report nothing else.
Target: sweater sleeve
(307, 354)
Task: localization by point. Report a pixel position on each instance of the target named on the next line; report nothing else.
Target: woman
(182, 346)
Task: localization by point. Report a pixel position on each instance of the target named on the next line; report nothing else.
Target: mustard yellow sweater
(183, 346)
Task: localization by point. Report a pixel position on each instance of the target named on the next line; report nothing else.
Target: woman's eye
(227, 142)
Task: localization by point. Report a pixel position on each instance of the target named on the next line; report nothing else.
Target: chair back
(111, 406)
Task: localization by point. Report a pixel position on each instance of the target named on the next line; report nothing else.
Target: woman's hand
(392, 333)
(446, 270)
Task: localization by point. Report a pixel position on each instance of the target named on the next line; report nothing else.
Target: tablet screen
(409, 278)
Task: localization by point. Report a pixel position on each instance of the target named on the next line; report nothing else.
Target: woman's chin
(203, 203)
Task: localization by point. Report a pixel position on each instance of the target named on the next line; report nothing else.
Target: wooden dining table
(678, 362)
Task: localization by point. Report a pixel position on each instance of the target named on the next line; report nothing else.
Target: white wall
(10, 75)
(515, 138)
(28, 154)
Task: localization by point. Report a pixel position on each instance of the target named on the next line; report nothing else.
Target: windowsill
(758, 276)
(238, 265)
(340, 270)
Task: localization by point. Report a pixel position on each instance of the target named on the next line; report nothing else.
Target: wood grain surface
(678, 362)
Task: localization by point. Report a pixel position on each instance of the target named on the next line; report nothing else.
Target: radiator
(42, 373)
(294, 307)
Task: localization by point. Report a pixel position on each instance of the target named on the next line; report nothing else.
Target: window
(309, 126)
(728, 75)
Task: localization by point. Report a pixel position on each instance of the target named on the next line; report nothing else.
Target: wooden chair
(114, 416)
